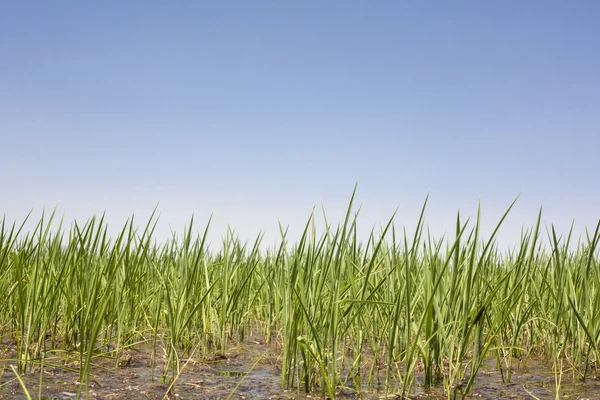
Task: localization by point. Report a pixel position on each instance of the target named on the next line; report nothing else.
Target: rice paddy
(402, 313)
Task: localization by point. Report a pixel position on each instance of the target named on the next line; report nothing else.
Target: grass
(347, 314)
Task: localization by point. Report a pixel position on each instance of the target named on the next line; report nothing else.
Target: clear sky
(257, 110)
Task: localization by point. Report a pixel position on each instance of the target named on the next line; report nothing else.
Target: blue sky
(256, 111)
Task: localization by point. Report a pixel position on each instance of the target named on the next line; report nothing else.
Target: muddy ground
(250, 370)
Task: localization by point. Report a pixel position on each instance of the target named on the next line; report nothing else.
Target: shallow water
(218, 377)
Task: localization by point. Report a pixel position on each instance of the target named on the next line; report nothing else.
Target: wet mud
(252, 370)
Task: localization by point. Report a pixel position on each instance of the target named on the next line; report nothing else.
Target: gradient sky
(256, 111)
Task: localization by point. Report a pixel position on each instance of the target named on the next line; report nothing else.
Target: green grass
(348, 314)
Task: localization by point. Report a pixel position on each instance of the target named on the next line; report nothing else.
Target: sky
(256, 112)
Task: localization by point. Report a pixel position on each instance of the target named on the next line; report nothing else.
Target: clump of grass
(350, 315)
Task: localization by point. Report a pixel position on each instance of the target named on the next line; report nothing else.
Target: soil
(250, 370)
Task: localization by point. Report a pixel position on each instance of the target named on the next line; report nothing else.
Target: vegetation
(382, 313)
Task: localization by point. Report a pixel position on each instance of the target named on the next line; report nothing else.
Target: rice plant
(400, 309)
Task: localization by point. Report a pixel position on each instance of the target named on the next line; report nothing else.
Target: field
(403, 314)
